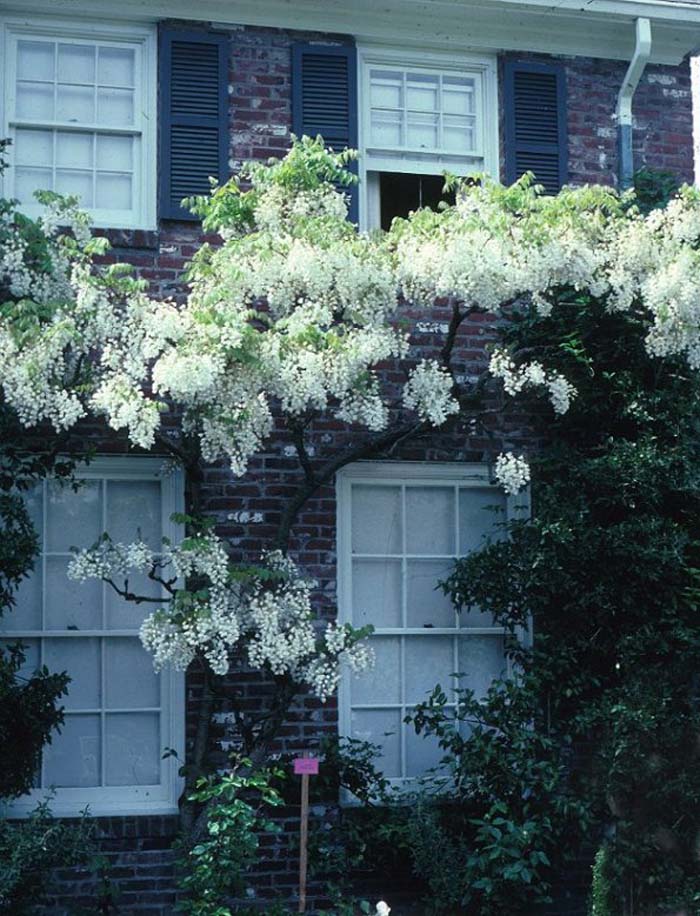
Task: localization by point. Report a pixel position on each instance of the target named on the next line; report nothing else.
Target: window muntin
(81, 114)
(119, 714)
(423, 111)
(399, 534)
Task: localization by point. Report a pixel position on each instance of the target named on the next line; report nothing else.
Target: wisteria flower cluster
(512, 472)
(265, 618)
(298, 313)
(532, 375)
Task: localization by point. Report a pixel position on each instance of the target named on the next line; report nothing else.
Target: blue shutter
(535, 123)
(193, 70)
(324, 97)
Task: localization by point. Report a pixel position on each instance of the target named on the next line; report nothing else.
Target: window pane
(34, 147)
(458, 134)
(81, 659)
(479, 512)
(480, 661)
(422, 131)
(429, 661)
(113, 191)
(126, 615)
(422, 753)
(73, 757)
(115, 106)
(386, 89)
(35, 60)
(386, 128)
(133, 749)
(115, 153)
(376, 519)
(430, 520)
(76, 63)
(74, 518)
(74, 150)
(382, 727)
(75, 104)
(458, 96)
(426, 605)
(376, 593)
(134, 511)
(27, 181)
(379, 684)
(78, 184)
(35, 101)
(422, 92)
(71, 605)
(26, 614)
(115, 67)
(130, 681)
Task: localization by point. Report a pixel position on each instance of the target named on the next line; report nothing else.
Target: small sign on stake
(304, 767)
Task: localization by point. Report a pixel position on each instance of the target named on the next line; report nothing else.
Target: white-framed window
(400, 528)
(119, 714)
(422, 114)
(80, 107)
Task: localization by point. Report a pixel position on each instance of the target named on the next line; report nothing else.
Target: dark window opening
(399, 194)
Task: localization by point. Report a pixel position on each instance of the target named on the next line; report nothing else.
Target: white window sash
(462, 476)
(375, 159)
(141, 39)
(160, 798)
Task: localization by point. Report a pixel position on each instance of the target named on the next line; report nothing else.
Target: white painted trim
(596, 28)
(462, 474)
(141, 37)
(483, 66)
(131, 800)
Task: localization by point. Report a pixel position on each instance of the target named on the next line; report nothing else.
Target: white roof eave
(587, 28)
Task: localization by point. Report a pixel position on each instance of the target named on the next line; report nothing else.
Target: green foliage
(29, 849)
(654, 188)
(307, 167)
(237, 807)
(27, 719)
(370, 839)
(509, 809)
(602, 903)
(608, 570)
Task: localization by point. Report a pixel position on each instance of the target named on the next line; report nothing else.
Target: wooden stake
(303, 841)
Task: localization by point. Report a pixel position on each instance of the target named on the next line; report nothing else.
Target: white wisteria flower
(512, 472)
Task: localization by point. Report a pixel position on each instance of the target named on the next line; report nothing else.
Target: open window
(422, 115)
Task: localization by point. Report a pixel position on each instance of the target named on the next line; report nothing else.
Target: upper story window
(401, 526)
(120, 714)
(422, 115)
(80, 108)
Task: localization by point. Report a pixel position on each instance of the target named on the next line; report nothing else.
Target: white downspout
(623, 112)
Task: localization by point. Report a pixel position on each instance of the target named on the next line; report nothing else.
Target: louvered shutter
(535, 123)
(324, 97)
(193, 116)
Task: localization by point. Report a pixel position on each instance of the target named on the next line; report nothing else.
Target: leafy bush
(29, 849)
(214, 870)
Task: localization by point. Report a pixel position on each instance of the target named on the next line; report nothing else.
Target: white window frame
(462, 475)
(126, 800)
(483, 66)
(141, 37)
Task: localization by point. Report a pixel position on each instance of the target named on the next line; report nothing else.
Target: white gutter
(623, 112)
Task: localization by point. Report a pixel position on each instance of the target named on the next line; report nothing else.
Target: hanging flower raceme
(297, 312)
(265, 616)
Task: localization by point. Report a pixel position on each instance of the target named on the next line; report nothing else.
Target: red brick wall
(248, 510)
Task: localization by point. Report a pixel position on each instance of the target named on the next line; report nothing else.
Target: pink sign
(306, 765)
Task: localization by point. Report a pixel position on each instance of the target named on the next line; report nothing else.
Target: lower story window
(119, 714)
(401, 527)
